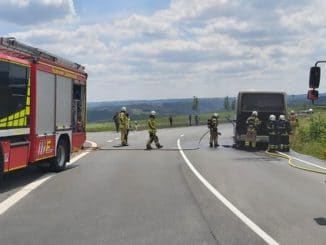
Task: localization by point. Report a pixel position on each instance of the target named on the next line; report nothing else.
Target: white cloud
(301, 19)
(30, 12)
(192, 47)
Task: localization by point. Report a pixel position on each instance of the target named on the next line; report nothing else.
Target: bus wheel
(58, 163)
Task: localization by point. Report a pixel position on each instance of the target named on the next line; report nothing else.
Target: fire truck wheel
(58, 163)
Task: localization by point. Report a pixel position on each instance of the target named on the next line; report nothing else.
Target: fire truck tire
(59, 162)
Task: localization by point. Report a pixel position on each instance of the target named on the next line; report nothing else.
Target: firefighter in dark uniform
(272, 132)
(152, 132)
(127, 127)
(123, 124)
(284, 129)
(212, 124)
(252, 123)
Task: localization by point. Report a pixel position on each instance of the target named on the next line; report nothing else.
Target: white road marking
(16, 197)
(255, 228)
(13, 199)
(116, 138)
(181, 135)
(110, 141)
(304, 161)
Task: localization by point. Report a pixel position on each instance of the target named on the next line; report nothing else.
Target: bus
(265, 103)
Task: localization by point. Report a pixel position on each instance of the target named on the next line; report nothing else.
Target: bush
(315, 131)
(310, 137)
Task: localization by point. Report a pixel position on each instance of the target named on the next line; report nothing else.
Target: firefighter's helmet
(215, 115)
(255, 113)
(292, 112)
(272, 117)
(282, 117)
(153, 113)
(123, 108)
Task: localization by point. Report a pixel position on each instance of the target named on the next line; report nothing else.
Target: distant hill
(139, 109)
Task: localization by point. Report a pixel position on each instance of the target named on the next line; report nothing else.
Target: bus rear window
(262, 102)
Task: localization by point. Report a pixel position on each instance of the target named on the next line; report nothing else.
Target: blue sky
(143, 49)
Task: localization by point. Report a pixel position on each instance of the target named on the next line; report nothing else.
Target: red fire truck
(42, 107)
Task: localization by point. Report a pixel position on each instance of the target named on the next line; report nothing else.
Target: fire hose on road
(318, 169)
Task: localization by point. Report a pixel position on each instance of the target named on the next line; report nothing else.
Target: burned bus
(265, 103)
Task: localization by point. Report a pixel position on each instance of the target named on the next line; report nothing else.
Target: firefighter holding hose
(212, 124)
(152, 132)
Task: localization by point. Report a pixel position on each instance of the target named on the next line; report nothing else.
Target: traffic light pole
(320, 61)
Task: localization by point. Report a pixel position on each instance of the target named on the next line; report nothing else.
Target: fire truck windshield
(13, 88)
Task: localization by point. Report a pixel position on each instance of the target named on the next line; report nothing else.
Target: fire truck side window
(18, 79)
(13, 88)
(79, 98)
(4, 95)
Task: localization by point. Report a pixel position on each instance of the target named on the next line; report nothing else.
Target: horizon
(190, 98)
(140, 49)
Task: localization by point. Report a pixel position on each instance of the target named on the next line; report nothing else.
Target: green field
(162, 122)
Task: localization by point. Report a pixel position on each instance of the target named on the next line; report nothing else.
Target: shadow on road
(22, 177)
(25, 176)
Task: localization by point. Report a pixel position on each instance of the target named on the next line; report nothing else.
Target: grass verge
(309, 137)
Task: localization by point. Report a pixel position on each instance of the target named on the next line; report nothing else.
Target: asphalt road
(131, 196)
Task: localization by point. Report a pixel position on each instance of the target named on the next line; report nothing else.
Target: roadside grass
(310, 136)
(162, 122)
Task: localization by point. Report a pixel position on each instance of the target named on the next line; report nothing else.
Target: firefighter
(152, 132)
(252, 123)
(284, 129)
(123, 125)
(127, 127)
(116, 121)
(272, 132)
(293, 120)
(212, 124)
(171, 121)
(136, 125)
(79, 126)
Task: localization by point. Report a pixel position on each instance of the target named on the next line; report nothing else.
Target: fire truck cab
(42, 107)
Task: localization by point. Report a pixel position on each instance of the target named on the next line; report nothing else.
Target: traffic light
(314, 77)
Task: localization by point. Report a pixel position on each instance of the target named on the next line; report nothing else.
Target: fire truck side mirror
(314, 77)
(312, 95)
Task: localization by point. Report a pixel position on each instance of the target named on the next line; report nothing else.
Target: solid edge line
(16, 197)
(255, 228)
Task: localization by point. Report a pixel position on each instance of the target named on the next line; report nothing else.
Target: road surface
(132, 196)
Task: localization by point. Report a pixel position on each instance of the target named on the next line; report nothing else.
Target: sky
(146, 49)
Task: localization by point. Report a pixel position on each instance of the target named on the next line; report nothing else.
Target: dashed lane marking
(19, 195)
(255, 228)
